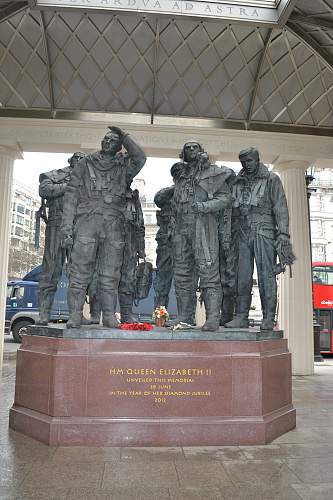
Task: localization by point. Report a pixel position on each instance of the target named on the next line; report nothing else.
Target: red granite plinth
(110, 392)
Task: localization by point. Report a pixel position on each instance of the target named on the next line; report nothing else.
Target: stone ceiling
(60, 61)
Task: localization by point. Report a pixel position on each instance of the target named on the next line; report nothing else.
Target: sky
(156, 171)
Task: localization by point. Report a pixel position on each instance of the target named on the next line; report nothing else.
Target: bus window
(325, 319)
(322, 275)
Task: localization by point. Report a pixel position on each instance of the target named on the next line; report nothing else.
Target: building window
(321, 232)
(19, 231)
(20, 209)
(19, 220)
(27, 212)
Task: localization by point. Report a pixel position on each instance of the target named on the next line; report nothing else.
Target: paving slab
(209, 493)
(154, 454)
(66, 475)
(323, 491)
(138, 474)
(202, 474)
(125, 493)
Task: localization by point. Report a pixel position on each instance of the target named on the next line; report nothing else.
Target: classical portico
(232, 75)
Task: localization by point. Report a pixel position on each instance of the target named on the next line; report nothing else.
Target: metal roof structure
(58, 62)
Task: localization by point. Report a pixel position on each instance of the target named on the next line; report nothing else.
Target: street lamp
(325, 247)
(309, 178)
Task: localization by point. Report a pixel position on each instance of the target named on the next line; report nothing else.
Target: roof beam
(137, 120)
(48, 62)
(155, 66)
(317, 50)
(318, 22)
(287, 12)
(11, 9)
(258, 75)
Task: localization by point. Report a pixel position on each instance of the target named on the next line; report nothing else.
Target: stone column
(295, 294)
(7, 157)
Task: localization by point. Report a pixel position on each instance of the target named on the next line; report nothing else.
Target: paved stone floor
(10, 348)
(298, 465)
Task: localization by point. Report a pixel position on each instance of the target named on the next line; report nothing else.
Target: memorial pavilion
(231, 74)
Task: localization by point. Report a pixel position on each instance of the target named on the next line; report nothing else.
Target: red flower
(136, 326)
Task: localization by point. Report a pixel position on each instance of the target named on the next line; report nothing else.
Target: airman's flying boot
(241, 318)
(212, 300)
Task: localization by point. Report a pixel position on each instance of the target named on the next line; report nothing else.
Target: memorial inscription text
(160, 384)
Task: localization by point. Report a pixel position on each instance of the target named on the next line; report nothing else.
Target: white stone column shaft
(7, 158)
(295, 294)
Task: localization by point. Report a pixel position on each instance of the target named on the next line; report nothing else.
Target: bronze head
(73, 160)
(250, 160)
(190, 151)
(111, 143)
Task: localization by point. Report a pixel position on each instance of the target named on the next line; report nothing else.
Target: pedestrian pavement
(297, 465)
(10, 348)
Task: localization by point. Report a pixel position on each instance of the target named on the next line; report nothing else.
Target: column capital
(289, 165)
(11, 151)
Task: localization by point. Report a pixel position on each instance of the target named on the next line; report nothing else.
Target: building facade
(23, 255)
(321, 216)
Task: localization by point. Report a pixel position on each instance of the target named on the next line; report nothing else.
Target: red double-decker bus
(322, 280)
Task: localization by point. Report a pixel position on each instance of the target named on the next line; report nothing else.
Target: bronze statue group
(213, 226)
